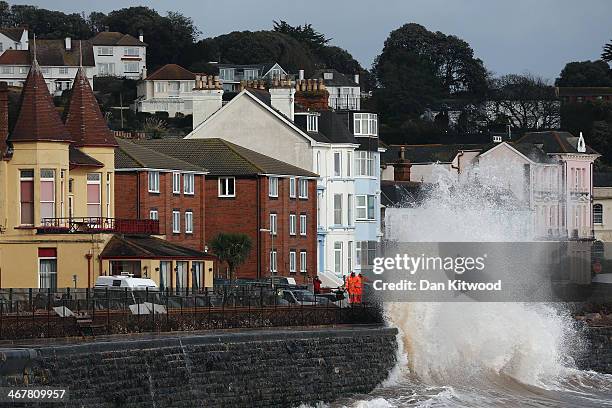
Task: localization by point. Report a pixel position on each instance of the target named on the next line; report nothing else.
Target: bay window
(365, 124)
(94, 205)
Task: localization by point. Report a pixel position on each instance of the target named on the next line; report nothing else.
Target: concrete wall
(248, 369)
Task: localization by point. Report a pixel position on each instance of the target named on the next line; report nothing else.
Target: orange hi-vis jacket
(350, 284)
(358, 285)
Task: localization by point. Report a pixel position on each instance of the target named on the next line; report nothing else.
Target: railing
(43, 313)
(88, 225)
(348, 103)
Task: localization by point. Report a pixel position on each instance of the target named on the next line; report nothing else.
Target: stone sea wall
(598, 355)
(241, 369)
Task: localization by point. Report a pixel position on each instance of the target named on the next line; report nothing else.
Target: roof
(38, 119)
(116, 38)
(173, 72)
(402, 193)
(52, 53)
(584, 91)
(14, 33)
(553, 142)
(147, 247)
(332, 128)
(78, 158)
(602, 179)
(84, 121)
(338, 78)
(223, 158)
(428, 153)
(263, 67)
(129, 155)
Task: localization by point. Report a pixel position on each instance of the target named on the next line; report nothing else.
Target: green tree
(304, 34)
(606, 55)
(50, 24)
(594, 120)
(585, 73)
(231, 248)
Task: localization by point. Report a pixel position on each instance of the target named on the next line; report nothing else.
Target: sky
(510, 36)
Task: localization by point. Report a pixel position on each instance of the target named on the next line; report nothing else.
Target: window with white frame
(47, 268)
(189, 183)
(303, 188)
(302, 224)
(7, 69)
(176, 221)
(338, 258)
(227, 187)
(273, 223)
(188, 222)
(106, 68)
(226, 74)
(62, 70)
(349, 210)
(273, 187)
(349, 161)
(365, 124)
(105, 51)
(364, 163)
(292, 261)
(176, 182)
(131, 52)
(273, 263)
(292, 222)
(337, 164)
(153, 181)
(337, 209)
(349, 256)
(312, 123)
(250, 74)
(47, 193)
(153, 215)
(597, 214)
(160, 86)
(26, 194)
(131, 67)
(365, 207)
(292, 187)
(94, 195)
(303, 264)
(24, 70)
(108, 195)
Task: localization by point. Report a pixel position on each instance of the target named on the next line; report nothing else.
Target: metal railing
(42, 313)
(97, 225)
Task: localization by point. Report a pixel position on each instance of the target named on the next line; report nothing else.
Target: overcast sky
(510, 36)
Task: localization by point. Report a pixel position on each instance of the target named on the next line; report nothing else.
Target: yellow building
(57, 200)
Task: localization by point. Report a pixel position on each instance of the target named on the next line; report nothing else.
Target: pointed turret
(38, 119)
(84, 120)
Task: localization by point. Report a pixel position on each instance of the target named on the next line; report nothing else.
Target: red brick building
(579, 94)
(247, 192)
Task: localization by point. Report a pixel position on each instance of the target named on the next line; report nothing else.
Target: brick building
(247, 192)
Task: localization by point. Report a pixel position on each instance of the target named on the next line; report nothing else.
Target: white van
(125, 281)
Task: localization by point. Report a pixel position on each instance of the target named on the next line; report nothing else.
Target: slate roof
(602, 179)
(78, 158)
(147, 247)
(402, 193)
(130, 155)
(84, 120)
(38, 119)
(332, 128)
(223, 158)
(428, 153)
(554, 142)
(171, 72)
(338, 79)
(14, 33)
(51, 53)
(116, 38)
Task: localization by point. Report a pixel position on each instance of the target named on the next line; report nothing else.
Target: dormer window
(312, 123)
(328, 75)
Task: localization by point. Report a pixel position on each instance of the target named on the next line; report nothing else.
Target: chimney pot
(357, 79)
(141, 36)
(301, 74)
(68, 42)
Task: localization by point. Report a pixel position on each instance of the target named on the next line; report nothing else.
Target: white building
(169, 89)
(344, 92)
(602, 206)
(59, 61)
(13, 38)
(231, 75)
(121, 55)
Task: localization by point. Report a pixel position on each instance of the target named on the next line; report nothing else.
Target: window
(47, 193)
(365, 206)
(176, 222)
(188, 222)
(338, 258)
(107, 68)
(189, 183)
(349, 160)
(226, 74)
(165, 268)
(292, 187)
(105, 50)
(176, 183)
(303, 262)
(181, 274)
(292, 261)
(273, 187)
(337, 209)
(131, 67)
(62, 70)
(23, 70)
(292, 222)
(365, 124)
(302, 224)
(365, 253)
(47, 268)
(328, 75)
(93, 195)
(250, 74)
(108, 195)
(303, 188)
(364, 162)
(7, 70)
(273, 264)
(273, 224)
(312, 123)
(131, 51)
(227, 187)
(62, 192)
(197, 274)
(337, 164)
(154, 182)
(153, 215)
(349, 209)
(597, 214)
(349, 254)
(26, 181)
(160, 86)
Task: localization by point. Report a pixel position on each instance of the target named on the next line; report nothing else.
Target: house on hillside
(232, 74)
(344, 91)
(168, 89)
(579, 94)
(120, 55)
(13, 38)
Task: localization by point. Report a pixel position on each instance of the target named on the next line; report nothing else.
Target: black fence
(42, 313)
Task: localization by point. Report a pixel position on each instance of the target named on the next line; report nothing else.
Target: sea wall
(283, 367)
(598, 354)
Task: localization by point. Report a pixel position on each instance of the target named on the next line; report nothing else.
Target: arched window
(597, 214)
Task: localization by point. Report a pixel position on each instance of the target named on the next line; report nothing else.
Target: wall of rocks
(242, 369)
(598, 354)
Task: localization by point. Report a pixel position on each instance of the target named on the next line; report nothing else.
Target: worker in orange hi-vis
(358, 288)
(350, 287)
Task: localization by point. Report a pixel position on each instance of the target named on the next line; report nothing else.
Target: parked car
(303, 297)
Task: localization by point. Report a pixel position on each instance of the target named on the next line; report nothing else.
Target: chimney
(141, 36)
(312, 94)
(401, 168)
(357, 79)
(301, 74)
(282, 98)
(207, 98)
(3, 118)
(68, 43)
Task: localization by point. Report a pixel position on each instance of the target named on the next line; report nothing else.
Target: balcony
(97, 225)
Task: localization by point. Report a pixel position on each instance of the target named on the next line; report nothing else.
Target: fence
(42, 313)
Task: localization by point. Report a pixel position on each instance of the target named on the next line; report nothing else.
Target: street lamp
(272, 271)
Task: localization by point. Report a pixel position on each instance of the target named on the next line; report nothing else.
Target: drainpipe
(138, 174)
